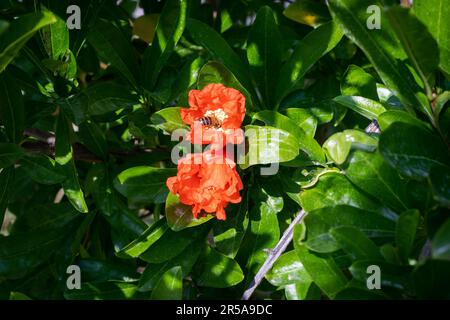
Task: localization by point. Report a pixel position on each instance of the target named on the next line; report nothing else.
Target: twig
(274, 254)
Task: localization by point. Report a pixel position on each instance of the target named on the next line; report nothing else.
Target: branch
(274, 254)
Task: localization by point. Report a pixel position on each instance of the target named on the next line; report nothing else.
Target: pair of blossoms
(208, 181)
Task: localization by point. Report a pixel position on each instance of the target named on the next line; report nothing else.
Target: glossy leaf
(307, 12)
(263, 56)
(405, 232)
(219, 49)
(168, 119)
(19, 32)
(304, 118)
(102, 291)
(321, 221)
(218, 270)
(357, 82)
(412, 150)
(168, 32)
(311, 48)
(415, 37)
(366, 107)
(288, 270)
(355, 242)
(144, 184)
(306, 144)
(42, 169)
(440, 184)
(372, 174)
(268, 145)
(381, 47)
(339, 145)
(66, 163)
(170, 286)
(434, 14)
(440, 243)
(323, 271)
(228, 234)
(144, 241)
(113, 47)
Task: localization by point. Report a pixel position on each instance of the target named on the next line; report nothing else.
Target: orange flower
(215, 101)
(207, 183)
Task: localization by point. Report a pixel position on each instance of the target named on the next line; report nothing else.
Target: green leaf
(263, 56)
(94, 270)
(307, 12)
(144, 184)
(310, 49)
(355, 242)
(392, 276)
(107, 97)
(93, 137)
(319, 223)
(288, 270)
(419, 45)
(339, 145)
(334, 189)
(11, 107)
(42, 169)
(305, 142)
(412, 150)
(228, 234)
(381, 47)
(324, 272)
(304, 118)
(64, 159)
(405, 232)
(112, 46)
(434, 14)
(373, 175)
(179, 216)
(4, 25)
(441, 242)
(440, 184)
(172, 243)
(170, 27)
(392, 116)
(366, 107)
(10, 153)
(441, 100)
(6, 181)
(217, 270)
(219, 49)
(20, 254)
(144, 241)
(185, 259)
(55, 38)
(431, 280)
(102, 291)
(263, 233)
(302, 291)
(215, 72)
(168, 119)
(170, 286)
(19, 32)
(357, 82)
(268, 145)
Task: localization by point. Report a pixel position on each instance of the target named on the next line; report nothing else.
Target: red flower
(207, 183)
(226, 106)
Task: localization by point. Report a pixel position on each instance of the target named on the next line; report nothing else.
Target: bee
(210, 122)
